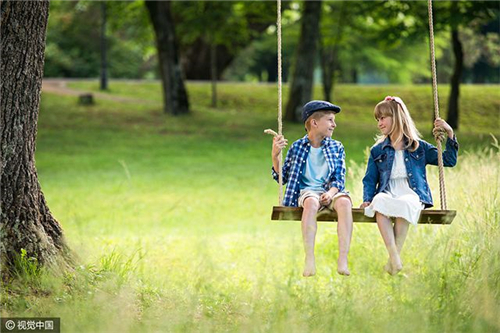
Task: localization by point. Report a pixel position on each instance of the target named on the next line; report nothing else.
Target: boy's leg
(343, 207)
(387, 232)
(309, 226)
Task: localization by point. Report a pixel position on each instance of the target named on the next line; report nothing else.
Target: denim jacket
(378, 171)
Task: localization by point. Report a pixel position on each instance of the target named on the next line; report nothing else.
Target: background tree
(302, 78)
(451, 17)
(457, 15)
(211, 22)
(241, 23)
(482, 52)
(73, 35)
(26, 221)
(104, 59)
(174, 92)
(329, 47)
(258, 61)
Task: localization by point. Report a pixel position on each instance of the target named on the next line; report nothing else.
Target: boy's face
(325, 125)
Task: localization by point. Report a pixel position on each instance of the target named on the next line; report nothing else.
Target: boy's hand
(325, 199)
(365, 204)
(441, 125)
(279, 142)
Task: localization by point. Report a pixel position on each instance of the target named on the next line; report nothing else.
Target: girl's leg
(400, 231)
(343, 208)
(387, 232)
(401, 227)
(309, 227)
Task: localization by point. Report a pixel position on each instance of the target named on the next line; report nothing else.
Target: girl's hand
(365, 204)
(279, 142)
(441, 125)
(325, 199)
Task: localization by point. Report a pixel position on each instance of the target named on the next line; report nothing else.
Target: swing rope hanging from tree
(283, 213)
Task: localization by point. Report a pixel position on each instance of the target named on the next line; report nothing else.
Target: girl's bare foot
(396, 265)
(309, 267)
(388, 267)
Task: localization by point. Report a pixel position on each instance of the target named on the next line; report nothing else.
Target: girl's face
(385, 125)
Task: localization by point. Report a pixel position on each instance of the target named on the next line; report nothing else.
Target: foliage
(26, 268)
(73, 40)
(218, 22)
(258, 61)
(393, 36)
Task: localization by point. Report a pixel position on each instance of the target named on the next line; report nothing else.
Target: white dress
(398, 200)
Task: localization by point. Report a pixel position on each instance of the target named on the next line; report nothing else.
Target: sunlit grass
(170, 220)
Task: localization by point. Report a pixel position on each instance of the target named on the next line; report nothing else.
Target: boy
(314, 169)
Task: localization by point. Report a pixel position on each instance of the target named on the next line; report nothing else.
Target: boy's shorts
(304, 194)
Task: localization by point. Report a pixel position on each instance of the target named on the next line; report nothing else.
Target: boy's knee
(343, 203)
(311, 203)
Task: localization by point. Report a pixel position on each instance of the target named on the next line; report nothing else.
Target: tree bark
(104, 58)
(213, 65)
(302, 80)
(26, 221)
(453, 109)
(329, 57)
(328, 65)
(174, 92)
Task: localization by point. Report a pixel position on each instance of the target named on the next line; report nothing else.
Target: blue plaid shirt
(294, 165)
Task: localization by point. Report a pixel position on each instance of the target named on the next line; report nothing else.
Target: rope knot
(439, 134)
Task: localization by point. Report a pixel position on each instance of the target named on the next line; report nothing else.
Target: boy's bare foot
(309, 267)
(342, 267)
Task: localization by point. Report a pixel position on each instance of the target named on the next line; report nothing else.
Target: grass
(169, 217)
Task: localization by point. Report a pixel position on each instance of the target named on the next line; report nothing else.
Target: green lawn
(169, 217)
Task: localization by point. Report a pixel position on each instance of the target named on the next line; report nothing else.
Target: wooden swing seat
(282, 213)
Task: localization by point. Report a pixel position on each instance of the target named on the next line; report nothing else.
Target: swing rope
(280, 98)
(438, 137)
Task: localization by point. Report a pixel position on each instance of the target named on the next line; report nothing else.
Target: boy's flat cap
(313, 106)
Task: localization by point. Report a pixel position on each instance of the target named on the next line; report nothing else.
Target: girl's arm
(370, 181)
(450, 154)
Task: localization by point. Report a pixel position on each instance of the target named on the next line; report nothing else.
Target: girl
(395, 183)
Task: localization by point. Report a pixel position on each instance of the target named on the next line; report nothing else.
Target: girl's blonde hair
(402, 124)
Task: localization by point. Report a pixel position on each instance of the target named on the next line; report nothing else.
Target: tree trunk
(453, 110)
(26, 221)
(213, 65)
(329, 56)
(302, 80)
(174, 92)
(328, 65)
(104, 60)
